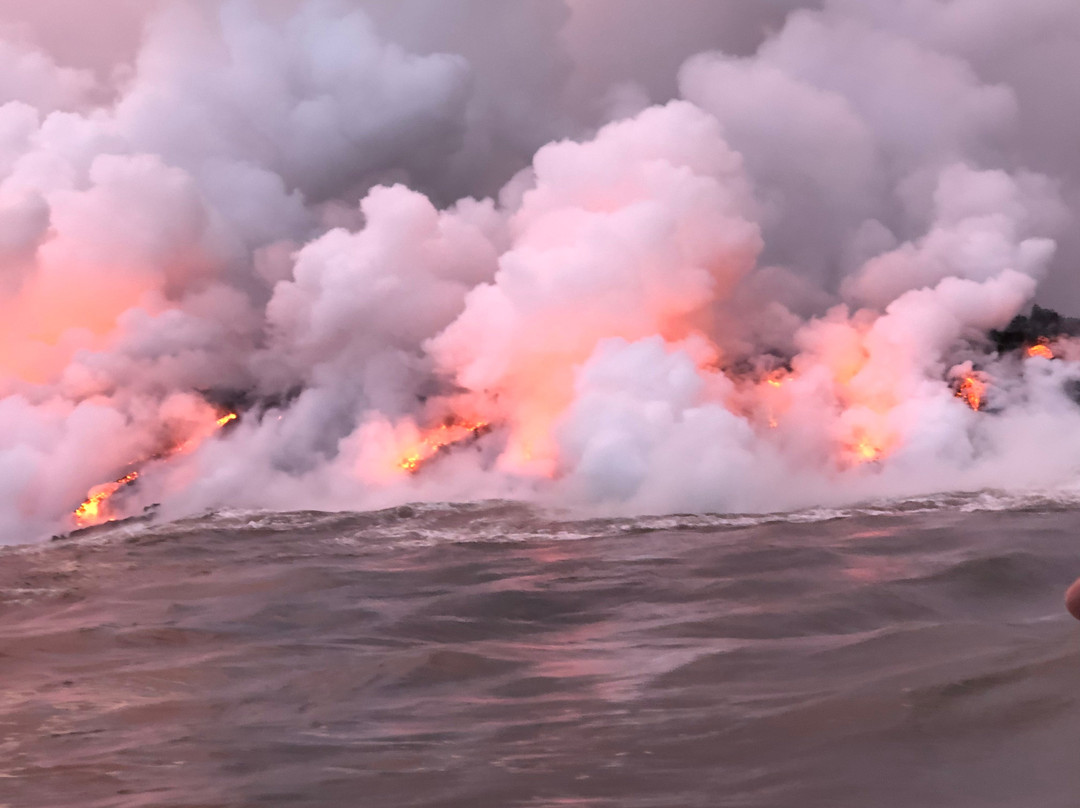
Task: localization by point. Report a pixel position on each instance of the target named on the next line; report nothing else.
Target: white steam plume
(534, 250)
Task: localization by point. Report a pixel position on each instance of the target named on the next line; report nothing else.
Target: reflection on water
(489, 656)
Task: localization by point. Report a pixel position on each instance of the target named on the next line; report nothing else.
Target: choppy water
(488, 655)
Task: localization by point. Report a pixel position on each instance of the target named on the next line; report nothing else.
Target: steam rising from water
(749, 283)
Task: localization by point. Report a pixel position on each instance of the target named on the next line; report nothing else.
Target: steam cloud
(692, 256)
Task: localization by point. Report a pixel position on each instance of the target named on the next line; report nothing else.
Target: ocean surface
(906, 655)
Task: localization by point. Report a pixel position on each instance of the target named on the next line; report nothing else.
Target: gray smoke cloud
(705, 255)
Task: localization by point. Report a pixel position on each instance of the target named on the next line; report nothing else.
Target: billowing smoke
(615, 256)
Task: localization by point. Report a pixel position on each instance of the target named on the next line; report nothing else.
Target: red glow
(869, 443)
(436, 440)
(96, 508)
(52, 317)
(773, 397)
(867, 452)
(973, 391)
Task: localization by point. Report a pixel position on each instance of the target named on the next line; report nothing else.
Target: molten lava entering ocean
(447, 435)
(99, 505)
(96, 508)
(972, 390)
(773, 396)
(693, 280)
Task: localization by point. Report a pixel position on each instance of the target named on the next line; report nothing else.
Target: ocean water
(486, 655)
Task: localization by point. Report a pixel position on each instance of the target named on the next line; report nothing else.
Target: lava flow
(1041, 349)
(773, 397)
(439, 440)
(867, 452)
(973, 391)
(96, 508)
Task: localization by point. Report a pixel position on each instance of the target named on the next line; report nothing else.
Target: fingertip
(1072, 599)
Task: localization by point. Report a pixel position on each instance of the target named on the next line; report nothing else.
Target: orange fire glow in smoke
(973, 391)
(869, 443)
(774, 400)
(867, 452)
(1041, 349)
(96, 509)
(436, 440)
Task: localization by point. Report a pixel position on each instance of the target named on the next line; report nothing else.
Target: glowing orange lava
(868, 444)
(867, 452)
(189, 444)
(1040, 349)
(773, 398)
(972, 390)
(95, 508)
(437, 440)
